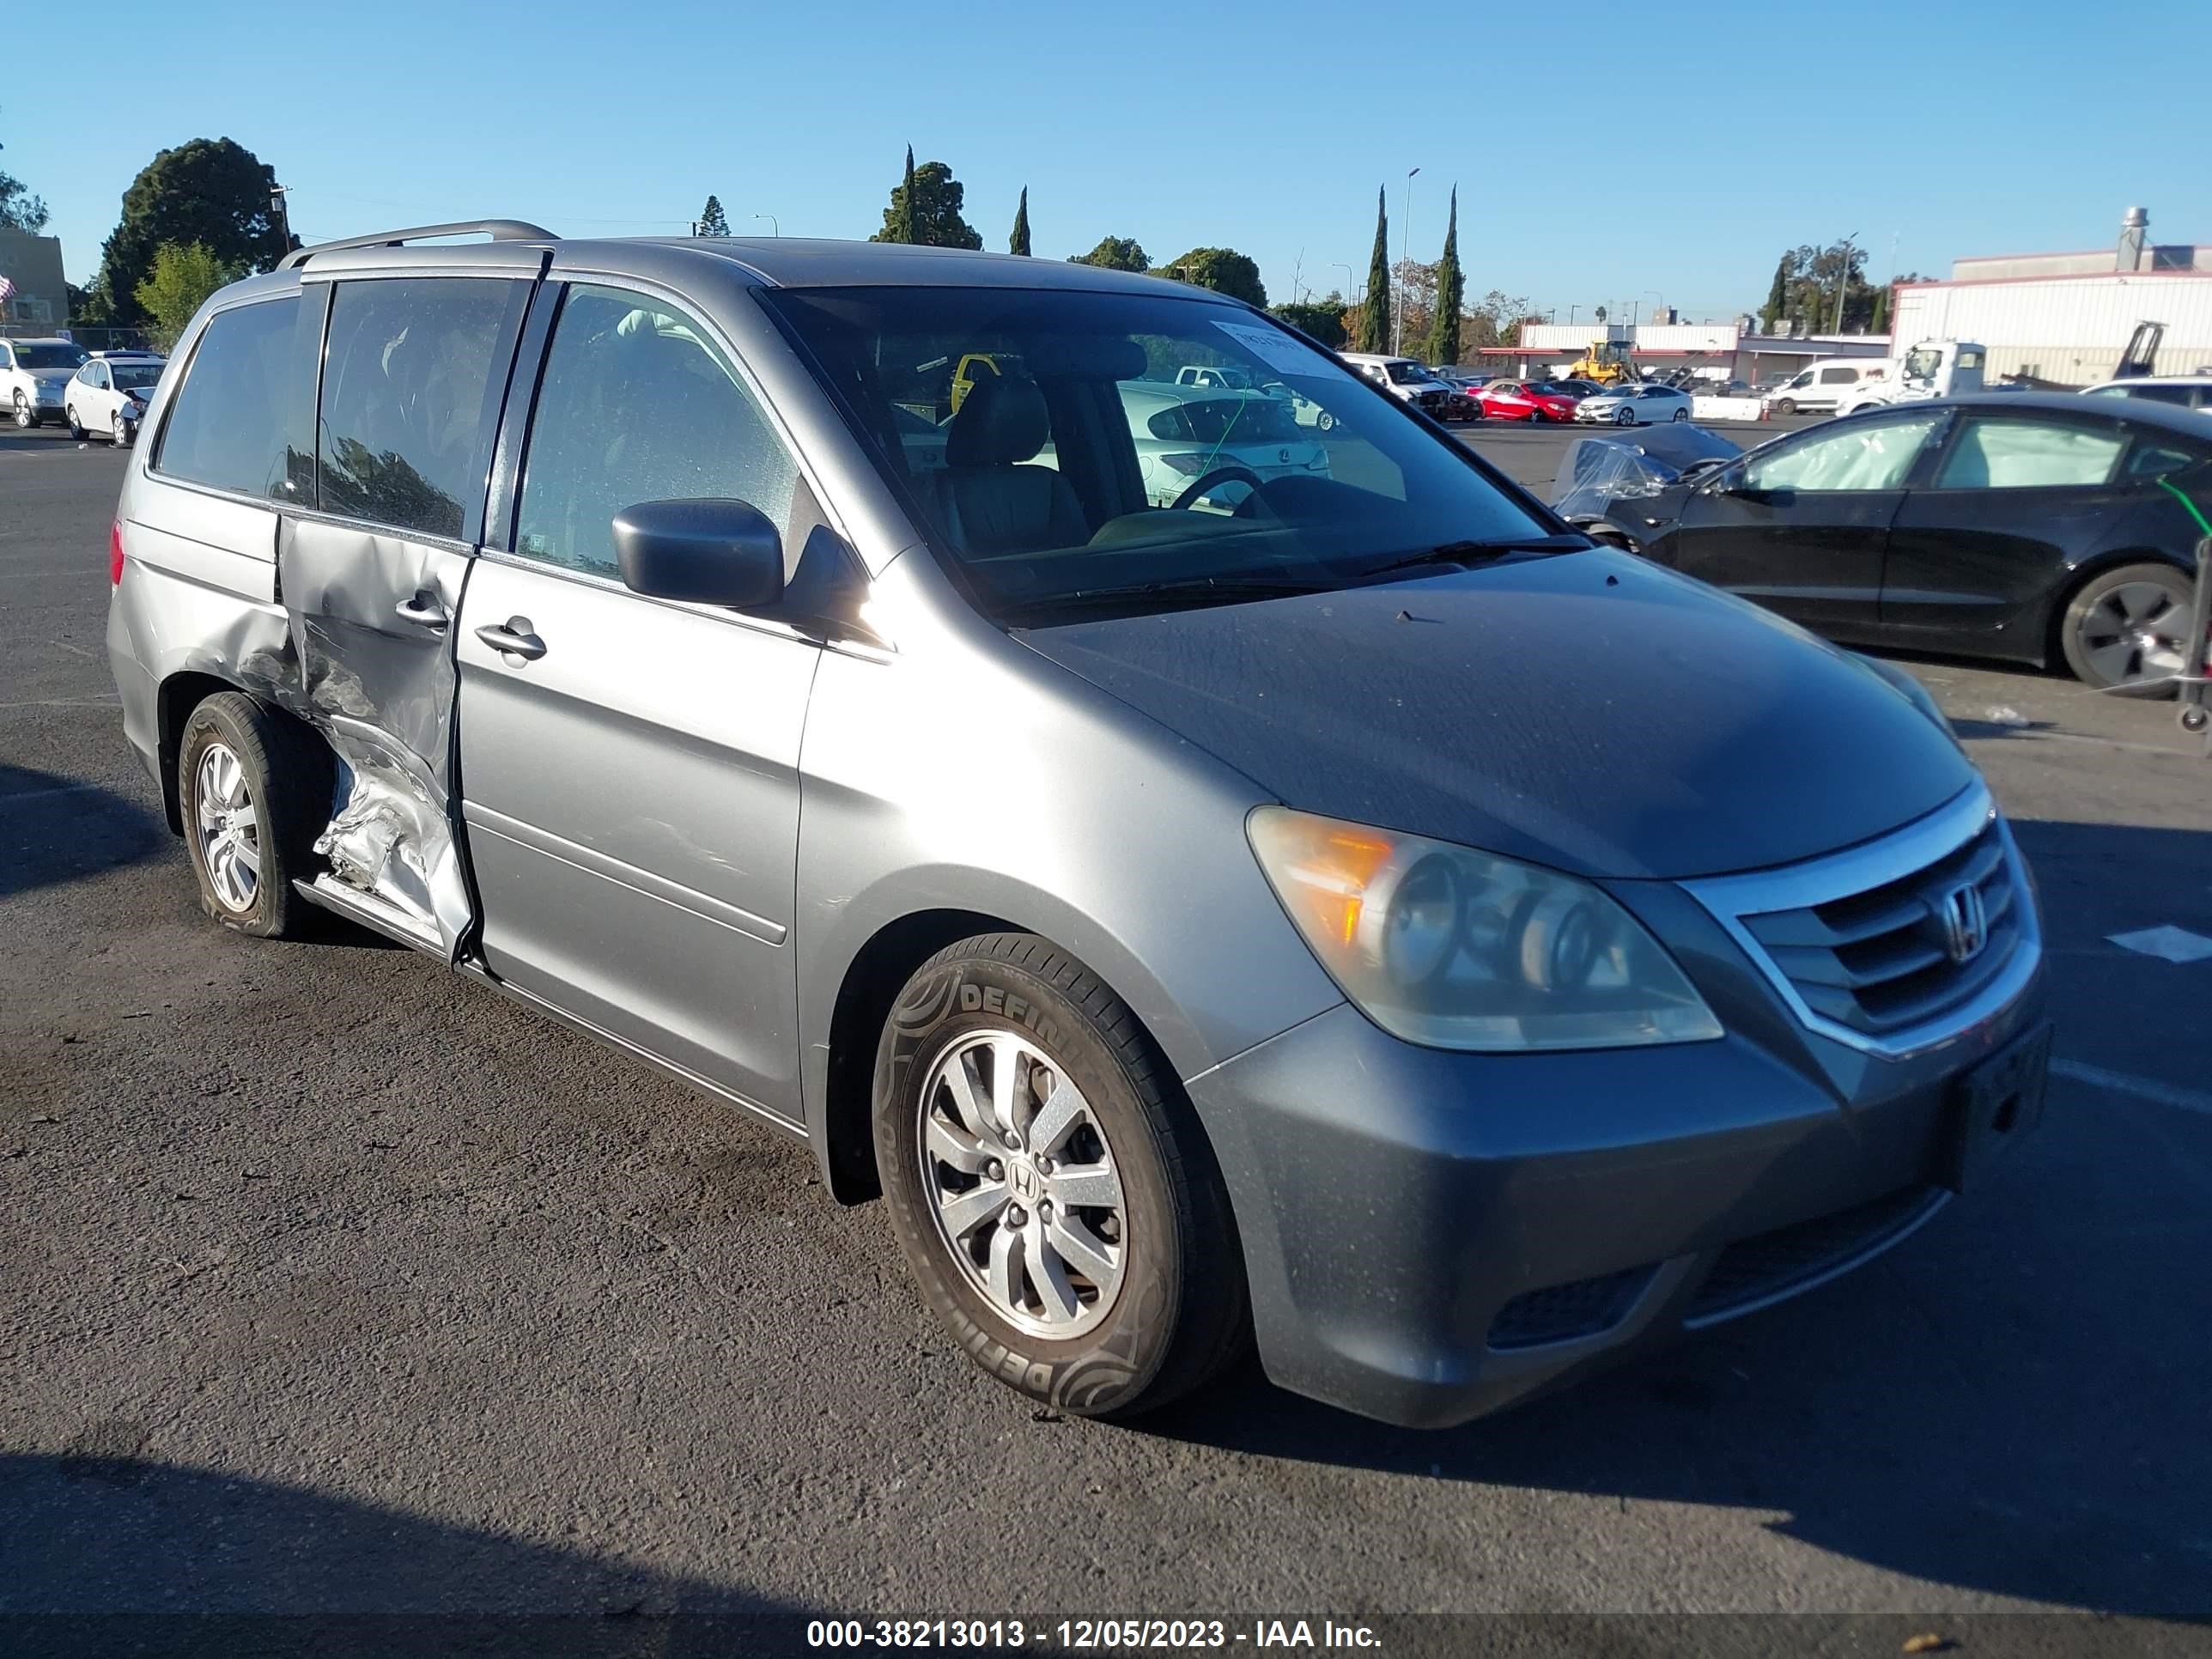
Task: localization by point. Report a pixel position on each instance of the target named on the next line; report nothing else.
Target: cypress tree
(906, 199)
(1778, 297)
(1451, 292)
(1374, 315)
(1019, 242)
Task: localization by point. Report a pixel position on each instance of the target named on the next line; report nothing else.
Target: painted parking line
(2142, 1088)
(2168, 943)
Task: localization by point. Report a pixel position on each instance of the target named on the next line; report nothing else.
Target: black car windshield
(50, 356)
(135, 377)
(1084, 469)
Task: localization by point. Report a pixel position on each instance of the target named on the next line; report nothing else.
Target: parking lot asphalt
(330, 1282)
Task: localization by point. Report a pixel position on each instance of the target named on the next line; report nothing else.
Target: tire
(283, 775)
(1625, 416)
(1680, 413)
(76, 426)
(2102, 631)
(26, 416)
(1326, 423)
(1785, 406)
(1175, 1310)
(125, 433)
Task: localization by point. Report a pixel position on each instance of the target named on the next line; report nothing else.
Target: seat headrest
(1001, 422)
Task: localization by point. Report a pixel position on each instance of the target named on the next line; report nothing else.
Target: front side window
(409, 369)
(226, 424)
(637, 404)
(2009, 453)
(1850, 457)
(1089, 478)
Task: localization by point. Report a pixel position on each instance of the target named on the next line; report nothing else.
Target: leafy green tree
(1374, 315)
(1020, 241)
(1224, 269)
(19, 209)
(1322, 318)
(1777, 296)
(1451, 294)
(924, 210)
(182, 278)
(712, 221)
(212, 191)
(1114, 253)
(1601, 313)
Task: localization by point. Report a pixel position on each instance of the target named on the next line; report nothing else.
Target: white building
(1714, 351)
(2065, 317)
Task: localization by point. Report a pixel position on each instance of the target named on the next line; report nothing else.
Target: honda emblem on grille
(1966, 923)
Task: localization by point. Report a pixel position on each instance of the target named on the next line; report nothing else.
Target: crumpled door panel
(380, 687)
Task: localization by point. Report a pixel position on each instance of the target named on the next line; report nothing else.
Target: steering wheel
(1197, 489)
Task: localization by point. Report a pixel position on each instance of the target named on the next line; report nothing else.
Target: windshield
(1088, 468)
(1921, 362)
(135, 377)
(1406, 374)
(50, 356)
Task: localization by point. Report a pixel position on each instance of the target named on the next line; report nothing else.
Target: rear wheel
(252, 793)
(1682, 412)
(2127, 631)
(1049, 1184)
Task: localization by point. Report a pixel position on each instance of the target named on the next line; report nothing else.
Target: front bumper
(1432, 1236)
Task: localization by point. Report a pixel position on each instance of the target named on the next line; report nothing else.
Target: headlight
(1444, 945)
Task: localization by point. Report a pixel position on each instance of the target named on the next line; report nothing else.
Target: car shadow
(37, 437)
(55, 828)
(2010, 1402)
(109, 1552)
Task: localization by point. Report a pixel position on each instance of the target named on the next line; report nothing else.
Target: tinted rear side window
(226, 424)
(412, 372)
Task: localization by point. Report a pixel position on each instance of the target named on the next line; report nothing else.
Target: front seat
(992, 503)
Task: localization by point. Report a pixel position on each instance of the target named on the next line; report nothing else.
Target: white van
(1821, 388)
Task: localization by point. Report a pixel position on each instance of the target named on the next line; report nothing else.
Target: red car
(1526, 400)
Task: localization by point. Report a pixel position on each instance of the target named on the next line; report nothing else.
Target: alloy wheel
(1022, 1184)
(228, 826)
(2135, 632)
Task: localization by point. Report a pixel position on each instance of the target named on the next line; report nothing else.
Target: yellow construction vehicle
(1606, 362)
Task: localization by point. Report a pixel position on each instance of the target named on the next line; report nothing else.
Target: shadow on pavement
(55, 828)
(2010, 1402)
(109, 1553)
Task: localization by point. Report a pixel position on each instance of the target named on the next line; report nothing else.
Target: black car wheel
(1680, 413)
(2127, 631)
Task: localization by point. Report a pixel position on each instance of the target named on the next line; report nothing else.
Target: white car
(1215, 445)
(1639, 404)
(32, 376)
(109, 393)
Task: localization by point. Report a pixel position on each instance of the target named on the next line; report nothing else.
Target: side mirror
(715, 552)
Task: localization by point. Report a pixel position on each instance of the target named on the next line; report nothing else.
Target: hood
(1587, 711)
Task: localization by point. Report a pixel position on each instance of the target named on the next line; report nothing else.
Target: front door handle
(513, 640)
(424, 611)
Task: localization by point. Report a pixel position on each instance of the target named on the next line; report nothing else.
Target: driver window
(1851, 457)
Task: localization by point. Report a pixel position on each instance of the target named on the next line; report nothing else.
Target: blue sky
(1726, 133)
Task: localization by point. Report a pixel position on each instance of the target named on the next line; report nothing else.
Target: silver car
(1214, 446)
(1375, 922)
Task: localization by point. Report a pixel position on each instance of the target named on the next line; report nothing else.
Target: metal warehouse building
(2066, 318)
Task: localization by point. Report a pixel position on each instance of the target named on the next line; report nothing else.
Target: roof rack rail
(500, 230)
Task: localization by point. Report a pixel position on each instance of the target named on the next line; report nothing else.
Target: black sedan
(2040, 528)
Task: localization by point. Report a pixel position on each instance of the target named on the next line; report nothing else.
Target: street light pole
(775, 229)
(1351, 283)
(1571, 315)
(1406, 255)
(281, 207)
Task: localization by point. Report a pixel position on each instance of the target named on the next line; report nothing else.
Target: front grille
(1878, 960)
(1561, 1313)
(1773, 1264)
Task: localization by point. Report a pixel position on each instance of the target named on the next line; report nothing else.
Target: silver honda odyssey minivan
(1340, 910)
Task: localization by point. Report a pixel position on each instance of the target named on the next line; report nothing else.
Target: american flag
(7, 290)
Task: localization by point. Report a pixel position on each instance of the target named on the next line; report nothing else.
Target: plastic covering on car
(1596, 472)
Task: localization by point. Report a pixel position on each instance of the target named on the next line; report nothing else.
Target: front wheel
(1049, 1184)
(26, 416)
(1784, 405)
(2127, 631)
(1623, 417)
(76, 426)
(125, 433)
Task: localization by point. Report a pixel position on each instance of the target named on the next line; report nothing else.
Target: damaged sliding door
(414, 370)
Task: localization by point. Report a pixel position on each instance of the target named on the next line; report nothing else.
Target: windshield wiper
(1181, 587)
(1475, 553)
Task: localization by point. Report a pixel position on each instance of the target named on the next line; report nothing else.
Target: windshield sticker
(1277, 350)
